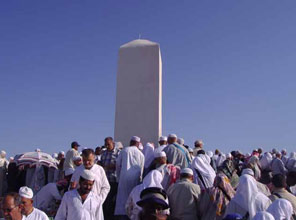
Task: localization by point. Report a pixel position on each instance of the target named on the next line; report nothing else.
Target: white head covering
(2, 154)
(190, 150)
(69, 171)
(221, 158)
(152, 179)
(201, 163)
(187, 171)
(248, 196)
(228, 156)
(159, 154)
(173, 136)
(54, 155)
(37, 150)
(26, 192)
(281, 209)
(180, 141)
(210, 153)
(148, 152)
(248, 171)
(118, 145)
(11, 159)
(265, 161)
(293, 155)
(88, 175)
(76, 158)
(263, 216)
(62, 152)
(136, 138)
(163, 138)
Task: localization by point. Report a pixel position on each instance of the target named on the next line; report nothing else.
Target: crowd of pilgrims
(168, 181)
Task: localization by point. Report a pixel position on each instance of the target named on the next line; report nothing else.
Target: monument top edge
(139, 42)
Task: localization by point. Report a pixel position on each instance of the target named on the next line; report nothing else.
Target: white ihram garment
(152, 179)
(148, 152)
(202, 164)
(263, 216)
(129, 170)
(247, 198)
(281, 209)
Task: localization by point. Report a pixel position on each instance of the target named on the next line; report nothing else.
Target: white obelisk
(139, 92)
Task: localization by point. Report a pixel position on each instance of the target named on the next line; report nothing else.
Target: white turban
(187, 171)
(88, 175)
(136, 138)
(76, 158)
(163, 138)
(69, 171)
(159, 154)
(172, 136)
(62, 152)
(26, 192)
(180, 141)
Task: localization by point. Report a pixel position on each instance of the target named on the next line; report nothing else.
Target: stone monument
(138, 92)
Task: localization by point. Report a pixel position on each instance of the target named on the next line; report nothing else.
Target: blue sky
(228, 70)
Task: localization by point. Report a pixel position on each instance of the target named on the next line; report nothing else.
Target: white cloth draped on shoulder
(148, 152)
(202, 164)
(281, 209)
(263, 216)
(152, 179)
(248, 198)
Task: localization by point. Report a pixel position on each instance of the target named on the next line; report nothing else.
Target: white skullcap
(26, 192)
(228, 155)
(54, 155)
(11, 158)
(76, 158)
(163, 138)
(62, 152)
(37, 150)
(136, 138)
(172, 136)
(198, 142)
(3, 154)
(187, 171)
(248, 171)
(159, 154)
(190, 150)
(180, 141)
(69, 171)
(88, 175)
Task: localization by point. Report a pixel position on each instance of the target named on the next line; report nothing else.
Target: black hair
(201, 152)
(279, 181)
(87, 152)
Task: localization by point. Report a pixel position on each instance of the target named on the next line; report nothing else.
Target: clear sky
(228, 70)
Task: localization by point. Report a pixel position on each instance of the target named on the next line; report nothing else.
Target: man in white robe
(49, 194)
(163, 141)
(129, 170)
(73, 152)
(81, 203)
(205, 174)
(28, 210)
(101, 186)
